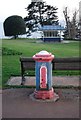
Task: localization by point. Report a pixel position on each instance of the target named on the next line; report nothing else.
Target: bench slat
(28, 63)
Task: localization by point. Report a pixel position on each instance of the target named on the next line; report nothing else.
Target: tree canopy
(40, 13)
(14, 26)
(71, 25)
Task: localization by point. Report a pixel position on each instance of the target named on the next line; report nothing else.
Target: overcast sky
(17, 7)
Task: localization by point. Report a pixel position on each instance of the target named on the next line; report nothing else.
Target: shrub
(6, 51)
(14, 26)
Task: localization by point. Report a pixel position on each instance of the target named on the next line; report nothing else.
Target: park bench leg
(22, 74)
(23, 80)
(23, 77)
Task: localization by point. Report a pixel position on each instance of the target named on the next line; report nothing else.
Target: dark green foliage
(14, 26)
(40, 13)
(6, 51)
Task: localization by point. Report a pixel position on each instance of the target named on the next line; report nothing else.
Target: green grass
(28, 47)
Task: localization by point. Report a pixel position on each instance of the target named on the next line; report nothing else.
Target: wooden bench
(57, 64)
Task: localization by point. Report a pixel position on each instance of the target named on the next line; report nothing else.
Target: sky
(17, 7)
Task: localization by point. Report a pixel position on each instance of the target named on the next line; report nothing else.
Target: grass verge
(29, 47)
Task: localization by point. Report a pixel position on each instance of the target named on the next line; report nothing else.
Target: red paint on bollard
(43, 77)
(43, 80)
(43, 94)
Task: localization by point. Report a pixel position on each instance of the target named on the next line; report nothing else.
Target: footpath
(16, 102)
(65, 81)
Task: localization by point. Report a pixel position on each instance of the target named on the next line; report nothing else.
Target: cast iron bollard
(43, 68)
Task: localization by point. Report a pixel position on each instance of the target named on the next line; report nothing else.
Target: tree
(71, 25)
(14, 26)
(40, 13)
(79, 29)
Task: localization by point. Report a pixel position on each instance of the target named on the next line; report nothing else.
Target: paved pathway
(57, 81)
(17, 104)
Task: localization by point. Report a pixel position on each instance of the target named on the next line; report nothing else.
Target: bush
(6, 51)
(14, 26)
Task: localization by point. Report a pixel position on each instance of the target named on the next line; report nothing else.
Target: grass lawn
(14, 48)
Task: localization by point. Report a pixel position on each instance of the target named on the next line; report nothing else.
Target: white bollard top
(43, 52)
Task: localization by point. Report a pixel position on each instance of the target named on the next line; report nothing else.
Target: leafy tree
(71, 25)
(14, 26)
(79, 29)
(40, 13)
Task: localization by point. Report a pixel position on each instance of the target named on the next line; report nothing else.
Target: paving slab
(17, 104)
(56, 81)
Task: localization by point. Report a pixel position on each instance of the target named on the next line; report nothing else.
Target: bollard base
(44, 95)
